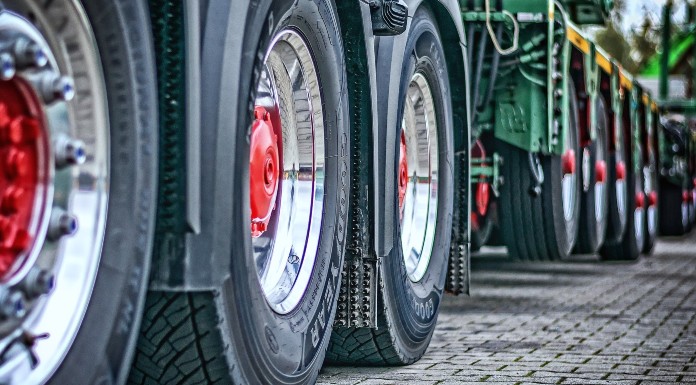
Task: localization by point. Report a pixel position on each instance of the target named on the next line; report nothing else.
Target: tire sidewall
(270, 347)
(103, 347)
(413, 306)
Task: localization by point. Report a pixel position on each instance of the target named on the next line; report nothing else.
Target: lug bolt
(558, 93)
(54, 88)
(69, 152)
(38, 282)
(12, 304)
(61, 224)
(29, 54)
(7, 66)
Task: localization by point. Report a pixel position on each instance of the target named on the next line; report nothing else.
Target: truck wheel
(595, 199)
(674, 211)
(650, 181)
(269, 321)
(631, 245)
(618, 192)
(542, 227)
(78, 141)
(483, 205)
(413, 276)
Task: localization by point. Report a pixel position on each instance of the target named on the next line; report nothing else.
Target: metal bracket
(389, 17)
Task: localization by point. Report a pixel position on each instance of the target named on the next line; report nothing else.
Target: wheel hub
(601, 171)
(568, 162)
(640, 200)
(620, 171)
(403, 174)
(483, 189)
(652, 199)
(23, 143)
(264, 166)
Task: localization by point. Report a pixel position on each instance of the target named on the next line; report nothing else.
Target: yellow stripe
(646, 99)
(577, 40)
(625, 81)
(654, 107)
(604, 63)
(552, 6)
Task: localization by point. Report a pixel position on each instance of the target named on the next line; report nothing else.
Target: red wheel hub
(264, 171)
(568, 162)
(23, 145)
(652, 199)
(601, 171)
(620, 171)
(640, 200)
(403, 172)
(482, 194)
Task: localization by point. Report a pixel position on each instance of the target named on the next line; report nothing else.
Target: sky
(635, 9)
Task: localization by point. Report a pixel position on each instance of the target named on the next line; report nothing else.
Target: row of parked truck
(234, 191)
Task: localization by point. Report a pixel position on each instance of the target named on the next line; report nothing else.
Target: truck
(233, 191)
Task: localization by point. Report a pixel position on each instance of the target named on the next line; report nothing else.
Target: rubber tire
(616, 227)
(481, 236)
(630, 246)
(593, 229)
(650, 238)
(231, 334)
(104, 344)
(534, 228)
(673, 219)
(408, 311)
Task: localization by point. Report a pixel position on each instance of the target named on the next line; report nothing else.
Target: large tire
(408, 307)
(618, 195)
(240, 332)
(105, 46)
(595, 197)
(651, 189)
(674, 213)
(631, 245)
(538, 228)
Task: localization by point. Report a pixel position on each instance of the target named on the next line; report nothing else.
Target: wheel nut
(54, 88)
(68, 151)
(29, 54)
(61, 224)
(7, 66)
(12, 304)
(38, 282)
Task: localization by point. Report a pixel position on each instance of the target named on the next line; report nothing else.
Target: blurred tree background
(635, 48)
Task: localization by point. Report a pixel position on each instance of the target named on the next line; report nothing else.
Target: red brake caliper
(403, 173)
(21, 139)
(264, 171)
(482, 193)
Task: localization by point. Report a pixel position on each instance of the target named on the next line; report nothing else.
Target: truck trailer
(234, 191)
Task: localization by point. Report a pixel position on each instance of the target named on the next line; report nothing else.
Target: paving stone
(580, 322)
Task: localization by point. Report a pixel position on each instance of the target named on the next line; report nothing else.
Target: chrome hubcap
(56, 195)
(285, 247)
(418, 209)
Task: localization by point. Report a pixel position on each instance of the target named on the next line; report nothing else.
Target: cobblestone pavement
(579, 322)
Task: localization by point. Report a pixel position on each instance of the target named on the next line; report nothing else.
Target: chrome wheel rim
(57, 274)
(650, 177)
(639, 213)
(569, 178)
(285, 250)
(600, 187)
(418, 208)
(620, 173)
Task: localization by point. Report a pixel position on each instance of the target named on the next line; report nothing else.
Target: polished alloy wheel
(620, 162)
(287, 171)
(54, 185)
(418, 177)
(570, 177)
